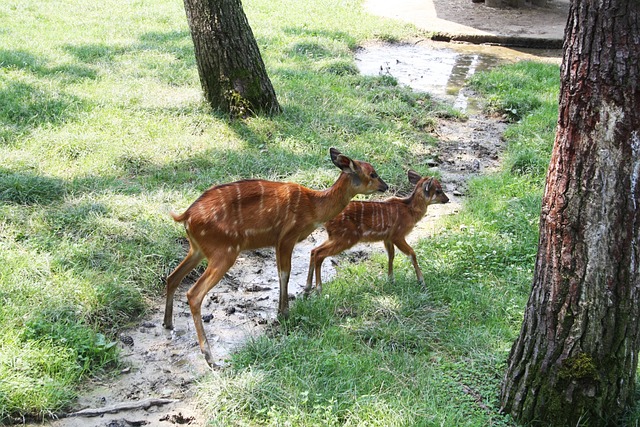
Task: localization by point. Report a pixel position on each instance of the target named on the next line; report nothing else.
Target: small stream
(441, 69)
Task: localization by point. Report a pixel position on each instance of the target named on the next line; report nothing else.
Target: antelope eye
(374, 175)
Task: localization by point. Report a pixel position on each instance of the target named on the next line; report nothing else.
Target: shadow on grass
(18, 59)
(27, 189)
(25, 106)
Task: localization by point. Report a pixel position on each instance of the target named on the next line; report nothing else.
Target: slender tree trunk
(232, 74)
(575, 360)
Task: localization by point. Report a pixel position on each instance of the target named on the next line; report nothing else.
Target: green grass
(372, 353)
(103, 130)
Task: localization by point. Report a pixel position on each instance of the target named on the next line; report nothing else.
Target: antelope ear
(414, 176)
(343, 162)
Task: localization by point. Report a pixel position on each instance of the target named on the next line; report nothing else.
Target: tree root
(123, 406)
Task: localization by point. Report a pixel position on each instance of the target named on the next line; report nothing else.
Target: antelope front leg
(312, 260)
(283, 259)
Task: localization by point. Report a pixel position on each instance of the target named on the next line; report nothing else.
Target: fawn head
(364, 178)
(427, 188)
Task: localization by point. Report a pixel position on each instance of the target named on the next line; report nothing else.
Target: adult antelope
(230, 218)
(389, 220)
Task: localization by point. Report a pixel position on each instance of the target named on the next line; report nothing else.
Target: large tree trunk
(575, 360)
(232, 74)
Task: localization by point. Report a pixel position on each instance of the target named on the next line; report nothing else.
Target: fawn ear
(343, 162)
(427, 186)
(414, 176)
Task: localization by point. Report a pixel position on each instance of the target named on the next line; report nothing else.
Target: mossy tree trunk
(232, 73)
(575, 360)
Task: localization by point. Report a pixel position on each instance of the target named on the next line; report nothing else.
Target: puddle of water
(441, 71)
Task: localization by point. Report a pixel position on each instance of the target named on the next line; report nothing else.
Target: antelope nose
(383, 186)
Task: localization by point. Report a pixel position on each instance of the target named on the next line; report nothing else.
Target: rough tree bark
(232, 74)
(575, 360)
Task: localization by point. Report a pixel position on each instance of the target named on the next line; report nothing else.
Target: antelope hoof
(209, 358)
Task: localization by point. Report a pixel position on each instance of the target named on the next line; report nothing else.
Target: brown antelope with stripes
(230, 218)
(389, 220)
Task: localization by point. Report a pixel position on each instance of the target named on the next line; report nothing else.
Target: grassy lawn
(103, 130)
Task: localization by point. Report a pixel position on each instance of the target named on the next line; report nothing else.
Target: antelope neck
(334, 199)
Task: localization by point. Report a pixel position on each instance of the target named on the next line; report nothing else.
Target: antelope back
(251, 214)
(245, 210)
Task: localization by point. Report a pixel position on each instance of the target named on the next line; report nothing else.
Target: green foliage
(527, 93)
(519, 89)
(64, 328)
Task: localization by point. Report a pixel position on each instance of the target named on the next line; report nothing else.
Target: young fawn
(389, 220)
(230, 218)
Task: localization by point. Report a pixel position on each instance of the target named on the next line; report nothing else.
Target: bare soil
(167, 364)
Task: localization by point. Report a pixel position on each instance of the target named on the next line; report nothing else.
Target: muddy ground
(165, 365)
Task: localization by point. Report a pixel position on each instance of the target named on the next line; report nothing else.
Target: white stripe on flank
(261, 197)
(223, 210)
(239, 203)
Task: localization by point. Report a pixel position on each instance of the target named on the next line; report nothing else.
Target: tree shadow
(21, 60)
(24, 105)
(23, 188)
(178, 43)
